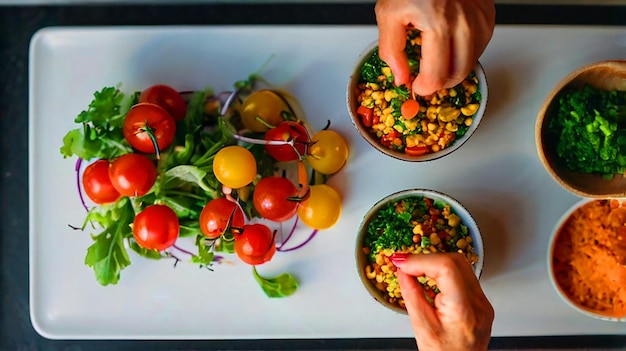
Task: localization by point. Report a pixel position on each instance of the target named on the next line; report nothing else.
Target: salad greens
(589, 127)
(185, 182)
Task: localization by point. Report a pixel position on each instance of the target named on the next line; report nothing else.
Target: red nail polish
(398, 257)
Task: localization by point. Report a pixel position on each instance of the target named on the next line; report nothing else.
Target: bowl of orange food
(406, 126)
(419, 221)
(587, 258)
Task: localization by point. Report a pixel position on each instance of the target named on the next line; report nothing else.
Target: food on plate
(415, 125)
(413, 224)
(159, 173)
(589, 131)
(589, 257)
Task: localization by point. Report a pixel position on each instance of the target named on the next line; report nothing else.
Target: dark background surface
(17, 25)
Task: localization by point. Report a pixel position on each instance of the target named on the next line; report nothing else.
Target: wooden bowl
(604, 75)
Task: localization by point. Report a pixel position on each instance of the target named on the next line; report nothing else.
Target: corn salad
(412, 225)
(442, 117)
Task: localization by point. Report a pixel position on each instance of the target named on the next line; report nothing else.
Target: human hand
(454, 34)
(462, 316)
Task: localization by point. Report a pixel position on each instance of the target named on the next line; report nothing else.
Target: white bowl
(455, 206)
(352, 94)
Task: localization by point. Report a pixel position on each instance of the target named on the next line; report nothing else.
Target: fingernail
(398, 258)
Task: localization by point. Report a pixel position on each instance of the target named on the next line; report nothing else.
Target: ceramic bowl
(568, 249)
(604, 75)
(353, 104)
(363, 259)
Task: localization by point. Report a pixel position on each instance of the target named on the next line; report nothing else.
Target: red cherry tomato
(166, 97)
(156, 227)
(132, 174)
(97, 183)
(216, 214)
(255, 244)
(287, 131)
(271, 198)
(145, 120)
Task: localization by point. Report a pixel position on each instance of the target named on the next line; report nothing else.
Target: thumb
(421, 313)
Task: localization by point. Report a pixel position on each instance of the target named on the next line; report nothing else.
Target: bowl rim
(556, 229)
(457, 207)
(478, 116)
(563, 83)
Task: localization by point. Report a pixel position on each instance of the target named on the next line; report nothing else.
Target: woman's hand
(461, 318)
(454, 34)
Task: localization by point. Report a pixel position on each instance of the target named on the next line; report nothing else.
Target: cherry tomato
(321, 210)
(234, 166)
(271, 198)
(145, 120)
(156, 227)
(328, 152)
(288, 131)
(132, 174)
(97, 183)
(216, 214)
(166, 97)
(366, 114)
(255, 244)
(265, 104)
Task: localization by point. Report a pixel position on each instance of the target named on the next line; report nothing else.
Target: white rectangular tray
(496, 174)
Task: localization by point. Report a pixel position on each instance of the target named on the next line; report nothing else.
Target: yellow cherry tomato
(265, 104)
(234, 166)
(328, 152)
(322, 209)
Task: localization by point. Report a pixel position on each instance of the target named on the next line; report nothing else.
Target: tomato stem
(264, 122)
(153, 138)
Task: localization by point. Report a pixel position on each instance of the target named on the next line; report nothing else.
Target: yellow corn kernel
(418, 229)
(384, 268)
(452, 92)
(448, 114)
(468, 122)
(390, 94)
(435, 148)
(469, 110)
(399, 128)
(380, 278)
(369, 273)
(454, 220)
(386, 71)
(387, 110)
(379, 259)
(461, 244)
(411, 124)
(373, 86)
(377, 95)
(434, 100)
(432, 127)
(378, 126)
(452, 127)
(434, 239)
(390, 120)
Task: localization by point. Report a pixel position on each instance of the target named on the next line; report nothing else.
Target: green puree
(591, 130)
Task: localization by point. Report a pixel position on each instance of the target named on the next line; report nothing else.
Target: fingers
(392, 40)
(435, 63)
(422, 315)
(463, 56)
(451, 271)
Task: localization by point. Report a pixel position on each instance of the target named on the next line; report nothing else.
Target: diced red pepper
(416, 150)
(366, 115)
